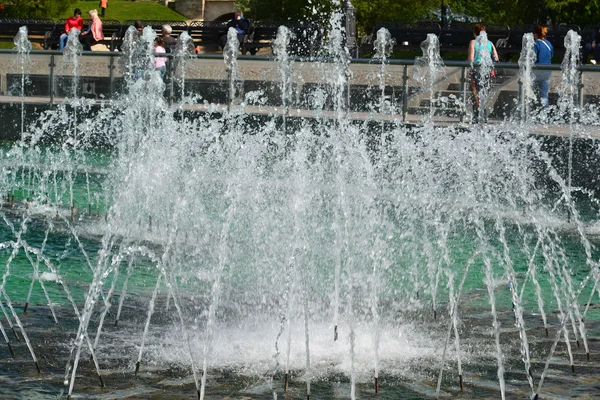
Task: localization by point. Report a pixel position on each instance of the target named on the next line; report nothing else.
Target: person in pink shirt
(72, 22)
(94, 33)
(160, 63)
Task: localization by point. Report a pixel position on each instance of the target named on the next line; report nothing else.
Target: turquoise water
(66, 255)
(253, 241)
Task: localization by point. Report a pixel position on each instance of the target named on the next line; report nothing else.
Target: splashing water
(393, 237)
(526, 75)
(429, 68)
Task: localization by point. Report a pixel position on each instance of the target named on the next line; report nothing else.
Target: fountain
(303, 253)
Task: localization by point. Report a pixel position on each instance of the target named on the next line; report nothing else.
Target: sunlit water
(323, 252)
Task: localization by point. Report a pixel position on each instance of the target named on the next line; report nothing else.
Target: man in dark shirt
(169, 41)
(241, 25)
(592, 48)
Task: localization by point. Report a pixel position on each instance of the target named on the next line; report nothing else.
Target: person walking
(544, 52)
(103, 6)
(482, 54)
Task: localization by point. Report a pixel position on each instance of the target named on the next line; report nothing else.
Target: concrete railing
(101, 77)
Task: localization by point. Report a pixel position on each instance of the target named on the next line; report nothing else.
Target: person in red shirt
(72, 22)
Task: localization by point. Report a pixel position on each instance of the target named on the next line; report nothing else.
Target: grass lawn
(128, 10)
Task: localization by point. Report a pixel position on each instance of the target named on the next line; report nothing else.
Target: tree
(287, 10)
(37, 8)
(513, 12)
(371, 12)
(368, 12)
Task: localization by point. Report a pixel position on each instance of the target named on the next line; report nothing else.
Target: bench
(36, 28)
(556, 36)
(261, 36)
(405, 36)
(177, 28)
(307, 38)
(207, 34)
(458, 35)
(588, 34)
(109, 27)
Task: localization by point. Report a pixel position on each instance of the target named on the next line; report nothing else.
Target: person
(94, 33)
(160, 63)
(481, 70)
(593, 47)
(72, 22)
(169, 41)
(544, 52)
(103, 4)
(240, 24)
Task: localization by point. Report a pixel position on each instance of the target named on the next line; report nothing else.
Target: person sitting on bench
(72, 22)
(241, 25)
(94, 33)
(592, 48)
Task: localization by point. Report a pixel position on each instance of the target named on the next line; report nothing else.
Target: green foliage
(575, 12)
(37, 8)
(287, 10)
(122, 10)
(370, 12)
(513, 12)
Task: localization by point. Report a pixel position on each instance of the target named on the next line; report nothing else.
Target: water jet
(263, 218)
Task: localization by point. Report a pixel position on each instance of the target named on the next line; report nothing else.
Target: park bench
(109, 27)
(261, 36)
(307, 38)
(177, 28)
(588, 34)
(207, 35)
(405, 35)
(556, 36)
(36, 28)
(457, 36)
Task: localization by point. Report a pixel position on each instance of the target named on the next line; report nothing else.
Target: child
(160, 63)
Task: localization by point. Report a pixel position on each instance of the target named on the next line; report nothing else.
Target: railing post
(580, 91)
(463, 92)
(404, 92)
(111, 75)
(230, 91)
(521, 102)
(170, 74)
(51, 79)
(350, 26)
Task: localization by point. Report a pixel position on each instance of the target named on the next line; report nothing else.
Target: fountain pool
(153, 251)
